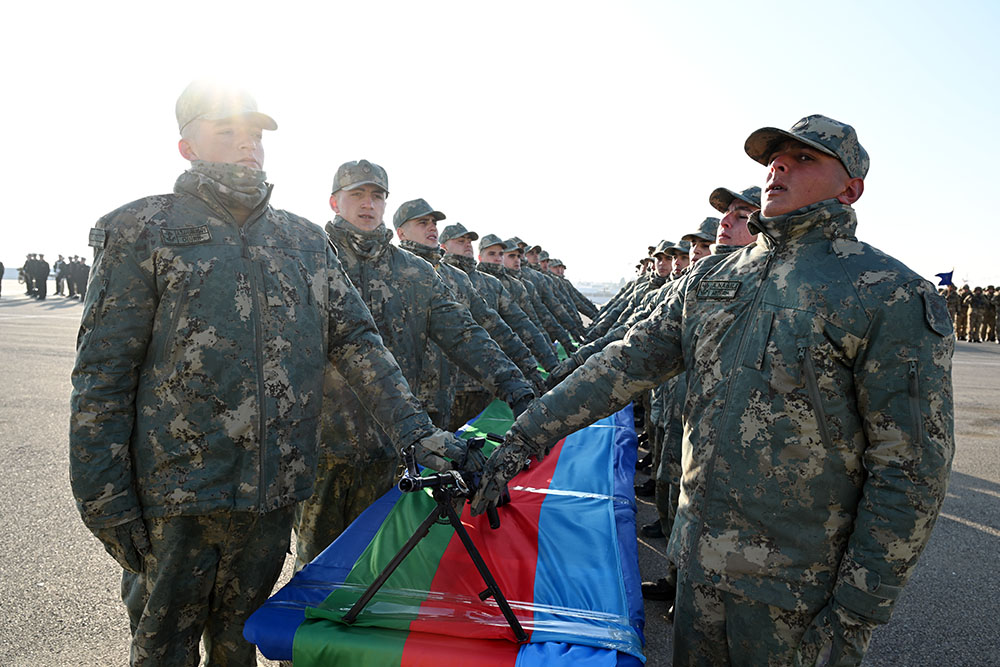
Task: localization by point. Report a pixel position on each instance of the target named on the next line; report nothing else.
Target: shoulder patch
(97, 238)
(936, 313)
(718, 290)
(186, 235)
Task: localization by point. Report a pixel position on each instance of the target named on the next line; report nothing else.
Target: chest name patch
(718, 290)
(186, 235)
(97, 237)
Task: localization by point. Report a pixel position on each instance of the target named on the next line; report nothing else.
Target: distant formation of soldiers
(974, 311)
(69, 274)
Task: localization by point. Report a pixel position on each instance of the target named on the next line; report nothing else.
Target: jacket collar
(828, 219)
(368, 245)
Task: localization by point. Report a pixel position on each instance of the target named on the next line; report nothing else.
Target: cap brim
(262, 120)
(355, 186)
(534, 248)
(759, 144)
(721, 198)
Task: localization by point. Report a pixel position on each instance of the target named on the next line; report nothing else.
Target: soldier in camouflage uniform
(975, 308)
(411, 306)
(990, 315)
(197, 386)
(416, 226)
(513, 254)
(954, 302)
(557, 268)
(962, 328)
(701, 239)
(820, 427)
(550, 294)
(456, 241)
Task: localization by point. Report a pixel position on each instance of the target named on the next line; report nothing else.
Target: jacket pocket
(756, 348)
(175, 316)
(914, 391)
(812, 386)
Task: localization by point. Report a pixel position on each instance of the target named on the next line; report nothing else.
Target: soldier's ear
(852, 191)
(334, 205)
(187, 150)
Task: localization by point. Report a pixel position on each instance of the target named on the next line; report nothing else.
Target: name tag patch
(718, 290)
(97, 238)
(186, 235)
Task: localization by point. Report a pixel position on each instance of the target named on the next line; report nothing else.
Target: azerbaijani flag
(564, 557)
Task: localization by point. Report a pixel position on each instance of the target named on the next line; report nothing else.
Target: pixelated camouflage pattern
(351, 175)
(204, 574)
(663, 247)
(415, 208)
(706, 230)
(199, 371)
(519, 293)
(829, 136)
(547, 295)
(551, 323)
(454, 231)
(489, 240)
(721, 198)
(500, 300)
(442, 379)
(213, 100)
(790, 493)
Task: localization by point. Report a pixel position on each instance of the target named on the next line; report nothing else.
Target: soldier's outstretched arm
(649, 354)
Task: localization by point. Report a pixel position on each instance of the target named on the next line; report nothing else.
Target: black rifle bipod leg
(492, 588)
(419, 534)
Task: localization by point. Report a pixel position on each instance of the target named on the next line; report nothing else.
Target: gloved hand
(432, 450)
(836, 637)
(127, 543)
(534, 376)
(521, 404)
(506, 461)
(562, 371)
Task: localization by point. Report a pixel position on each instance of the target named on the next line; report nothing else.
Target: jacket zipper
(181, 303)
(740, 351)
(812, 385)
(918, 427)
(259, 352)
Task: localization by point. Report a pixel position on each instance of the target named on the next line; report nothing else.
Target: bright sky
(591, 128)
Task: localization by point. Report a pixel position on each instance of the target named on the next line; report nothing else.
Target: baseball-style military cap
(517, 240)
(706, 230)
(511, 245)
(556, 262)
(663, 248)
(824, 134)
(489, 240)
(721, 198)
(680, 248)
(527, 247)
(414, 208)
(212, 100)
(351, 175)
(543, 255)
(455, 231)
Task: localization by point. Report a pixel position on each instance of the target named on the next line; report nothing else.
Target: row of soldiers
(243, 372)
(69, 274)
(974, 312)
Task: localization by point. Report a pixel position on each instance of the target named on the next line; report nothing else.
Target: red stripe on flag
(430, 651)
(511, 553)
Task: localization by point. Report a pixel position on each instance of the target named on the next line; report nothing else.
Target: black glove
(504, 463)
(835, 637)
(521, 404)
(128, 543)
(432, 450)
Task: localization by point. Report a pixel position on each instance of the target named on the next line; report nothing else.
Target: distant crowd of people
(974, 312)
(70, 275)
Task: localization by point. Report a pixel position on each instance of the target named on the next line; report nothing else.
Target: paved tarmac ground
(59, 601)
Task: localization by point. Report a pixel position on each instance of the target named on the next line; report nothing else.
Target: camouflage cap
(647, 258)
(511, 245)
(489, 240)
(517, 240)
(414, 208)
(824, 134)
(706, 230)
(527, 247)
(556, 262)
(455, 231)
(663, 248)
(543, 256)
(211, 100)
(351, 175)
(721, 198)
(680, 248)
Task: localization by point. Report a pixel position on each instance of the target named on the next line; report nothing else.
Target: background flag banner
(945, 278)
(564, 556)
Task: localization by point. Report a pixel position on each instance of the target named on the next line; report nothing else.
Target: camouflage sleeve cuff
(862, 592)
(95, 518)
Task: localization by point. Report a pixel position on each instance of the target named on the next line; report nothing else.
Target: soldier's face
(363, 207)
(512, 261)
(531, 257)
(559, 270)
(680, 262)
(799, 175)
(491, 255)
(663, 265)
(699, 248)
(733, 228)
(233, 141)
(422, 230)
(460, 246)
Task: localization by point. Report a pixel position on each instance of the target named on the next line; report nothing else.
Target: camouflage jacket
(547, 293)
(607, 319)
(199, 370)
(819, 413)
(518, 291)
(441, 379)
(411, 305)
(973, 301)
(549, 321)
(500, 300)
(583, 304)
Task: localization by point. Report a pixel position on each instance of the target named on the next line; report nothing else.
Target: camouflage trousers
(344, 489)
(714, 628)
(976, 321)
(467, 405)
(203, 577)
(961, 324)
(989, 330)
